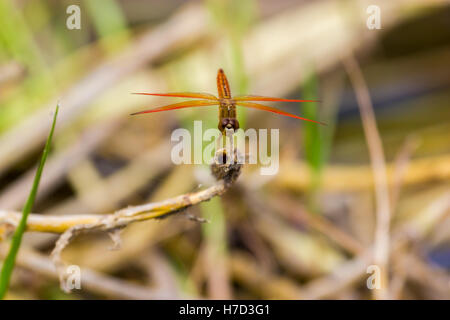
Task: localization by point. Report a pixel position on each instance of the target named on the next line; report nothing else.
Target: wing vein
(274, 110)
(261, 98)
(196, 95)
(180, 105)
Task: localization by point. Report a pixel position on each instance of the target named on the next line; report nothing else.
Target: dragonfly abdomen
(223, 87)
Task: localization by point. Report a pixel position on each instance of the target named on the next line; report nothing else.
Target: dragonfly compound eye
(223, 124)
(228, 123)
(233, 123)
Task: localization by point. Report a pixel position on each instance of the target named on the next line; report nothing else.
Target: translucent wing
(180, 105)
(261, 98)
(182, 95)
(274, 110)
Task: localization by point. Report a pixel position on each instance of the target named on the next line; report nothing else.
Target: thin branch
(296, 175)
(402, 161)
(355, 269)
(300, 215)
(120, 218)
(72, 225)
(374, 143)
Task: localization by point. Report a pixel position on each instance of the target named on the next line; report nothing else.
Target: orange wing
(180, 105)
(274, 110)
(182, 95)
(261, 98)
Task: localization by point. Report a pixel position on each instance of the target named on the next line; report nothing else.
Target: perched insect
(227, 104)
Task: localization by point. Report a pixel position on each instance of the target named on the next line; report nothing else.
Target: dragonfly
(227, 104)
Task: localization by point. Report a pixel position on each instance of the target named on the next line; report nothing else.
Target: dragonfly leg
(229, 145)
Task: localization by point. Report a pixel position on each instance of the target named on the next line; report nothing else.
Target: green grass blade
(8, 264)
(312, 138)
(312, 134)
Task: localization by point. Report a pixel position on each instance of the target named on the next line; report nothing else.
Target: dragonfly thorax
(227, 115)
(228, 103)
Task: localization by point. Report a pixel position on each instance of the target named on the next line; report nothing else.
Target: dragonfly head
(228, 123)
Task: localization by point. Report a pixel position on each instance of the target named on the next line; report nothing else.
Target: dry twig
(72, 225)
(374, 143)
